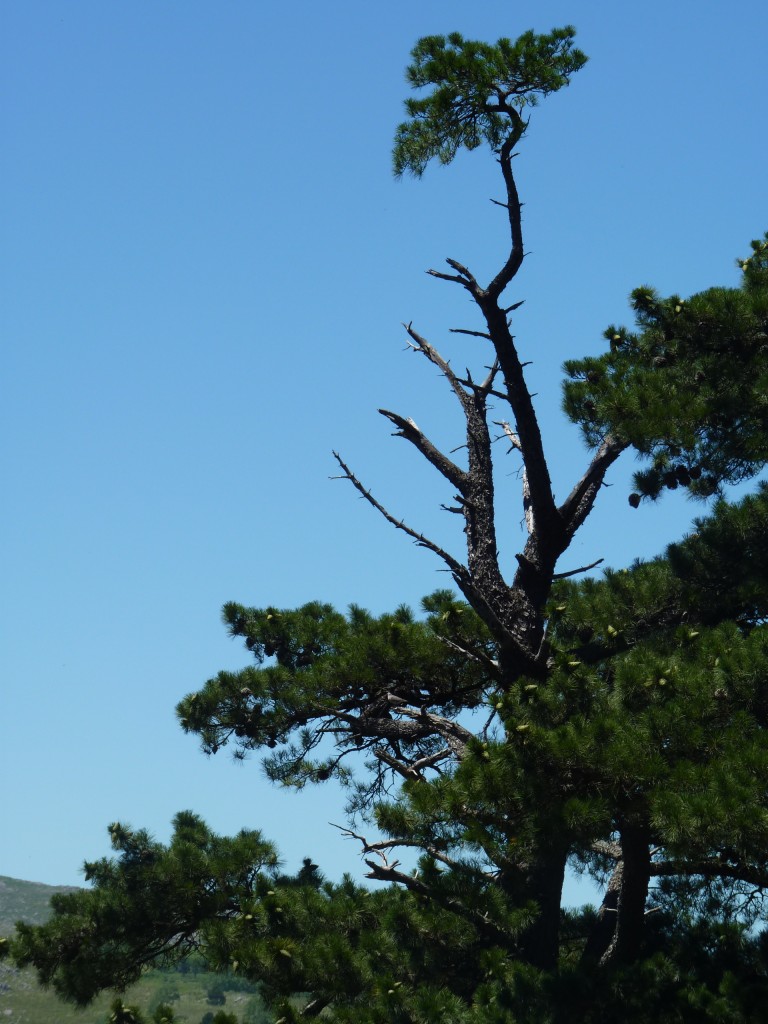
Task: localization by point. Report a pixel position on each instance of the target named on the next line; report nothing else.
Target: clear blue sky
(206, 262)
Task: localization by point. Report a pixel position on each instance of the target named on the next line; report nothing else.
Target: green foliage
(337, 664)
(255, 1012)
(654, 717)
(688, 389)
(193, 879)
(165, 1014)
(167, 992)
(216, 994)
(123, 1014)
(666, 689)
(480, 91)
(225, 1018)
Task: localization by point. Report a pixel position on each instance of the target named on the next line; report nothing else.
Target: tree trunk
(540, 943)
(602, 934)
(627, 941)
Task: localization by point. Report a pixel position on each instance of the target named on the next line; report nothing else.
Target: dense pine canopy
(688, 389)
(514, 726)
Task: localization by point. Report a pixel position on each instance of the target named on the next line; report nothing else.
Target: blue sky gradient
(205, 265)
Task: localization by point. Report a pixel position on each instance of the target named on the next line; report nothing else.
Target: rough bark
(601, 936)
(627, 939)
(513, 611)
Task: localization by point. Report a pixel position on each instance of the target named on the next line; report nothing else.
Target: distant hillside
(25, 901)
(23, 1001)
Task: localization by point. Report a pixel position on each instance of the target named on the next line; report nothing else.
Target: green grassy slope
(25, 901)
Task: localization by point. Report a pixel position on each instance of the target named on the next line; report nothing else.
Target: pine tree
(688, 388)
(617, 724)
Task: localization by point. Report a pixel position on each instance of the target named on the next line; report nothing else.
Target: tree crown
(480, 91)
(686, 389)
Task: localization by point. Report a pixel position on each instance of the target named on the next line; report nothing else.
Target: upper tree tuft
(480, 92)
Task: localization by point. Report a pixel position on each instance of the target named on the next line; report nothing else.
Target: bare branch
(527, 428)
(459, 571)
(480, 388)
(396, 701)
(406, 770)
(714, 868)
(465, 581)
(463, 277)
(487, 384)
(414, 769)
(385, 844)
(514, 440)
(407, 428)
(486, 388)
(448, 277)
(389, 873)
(575, 572)
(390, 844)
(579, 502)
(606, 849)
(455, 735)
(430, 352)
(472, 334)
(462, 270)
(514, 210)
(477, 656)
(375, 724)
(430, 760)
